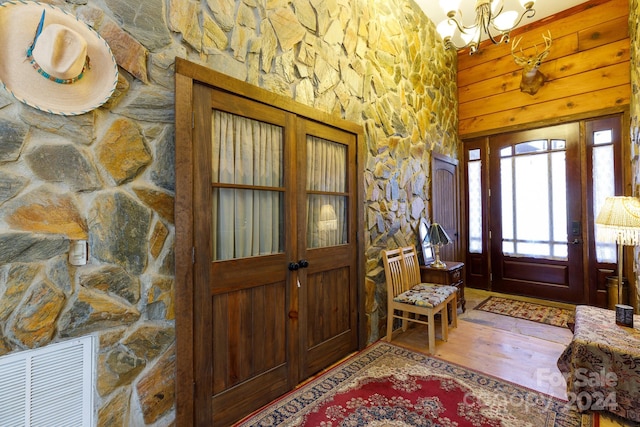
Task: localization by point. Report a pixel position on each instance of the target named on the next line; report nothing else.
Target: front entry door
(275, 252)
(536, 214)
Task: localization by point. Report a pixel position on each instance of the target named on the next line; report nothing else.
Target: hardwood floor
(498, 345)
(516, 350)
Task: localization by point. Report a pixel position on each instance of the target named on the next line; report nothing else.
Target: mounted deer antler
(532, 78)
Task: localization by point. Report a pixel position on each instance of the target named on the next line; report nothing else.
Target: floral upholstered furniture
(405, 294)
(602, 364)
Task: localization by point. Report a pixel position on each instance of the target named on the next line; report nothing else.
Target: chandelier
(490, 19)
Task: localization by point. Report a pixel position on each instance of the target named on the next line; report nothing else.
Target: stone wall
(634, 28)
(108, 176)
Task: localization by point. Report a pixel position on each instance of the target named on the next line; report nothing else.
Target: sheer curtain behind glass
(326, 175)
(246, 153)
(474, 170)
(533, 185)
(603, 187)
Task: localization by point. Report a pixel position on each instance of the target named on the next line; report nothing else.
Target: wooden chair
(407, 295)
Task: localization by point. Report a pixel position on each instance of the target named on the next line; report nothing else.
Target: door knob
(293, 266)
(303, 263)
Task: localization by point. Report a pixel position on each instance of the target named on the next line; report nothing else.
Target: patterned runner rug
(529, 311)
(387, 385)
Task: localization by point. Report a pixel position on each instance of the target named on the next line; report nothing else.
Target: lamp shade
(446, 29)
(619, 221)
(437, 235)
(328, 219)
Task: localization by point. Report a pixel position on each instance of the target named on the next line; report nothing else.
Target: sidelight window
(603, 175)
(474, 177)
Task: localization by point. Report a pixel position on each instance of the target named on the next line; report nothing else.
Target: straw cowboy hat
(52, 61)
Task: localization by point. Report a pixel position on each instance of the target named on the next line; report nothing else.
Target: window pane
(507, 248)
(534, 202)
(559, 202)
(246, 223)
(561, 251)
(475, 206)
(326, 165)
(506, 152)
(326, 213)
(474, 154)
(603, 187)
(327, 221)
(558, 144)
(532, 198)
(534, 249)
(531, 147)
(246, 151)
(506, 178)
(602, 137)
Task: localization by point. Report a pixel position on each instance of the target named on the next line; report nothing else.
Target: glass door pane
(534, 202)
(326, 193)
(247, 187)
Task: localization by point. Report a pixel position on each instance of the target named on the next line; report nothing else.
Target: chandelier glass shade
(491, 20)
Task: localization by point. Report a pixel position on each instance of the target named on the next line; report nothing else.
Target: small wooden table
(452, 274)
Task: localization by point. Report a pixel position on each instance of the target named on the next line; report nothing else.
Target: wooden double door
(275, 259)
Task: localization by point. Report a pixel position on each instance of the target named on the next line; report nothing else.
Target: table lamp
(438, 237)
(619, 222)
(328, 218)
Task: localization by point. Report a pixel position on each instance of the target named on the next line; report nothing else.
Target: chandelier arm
(460, 27)
(485, 22)
(487, 29)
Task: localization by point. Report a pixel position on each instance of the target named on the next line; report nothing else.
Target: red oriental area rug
(529, 311)
(387, 385)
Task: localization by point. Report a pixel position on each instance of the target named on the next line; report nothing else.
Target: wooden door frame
(627, 187)
(189, 402)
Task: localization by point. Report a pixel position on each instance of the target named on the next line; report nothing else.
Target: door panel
(445, 203)
(327, 241)
(244, 357)
(536, 211)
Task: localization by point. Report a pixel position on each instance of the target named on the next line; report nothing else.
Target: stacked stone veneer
(108, 176)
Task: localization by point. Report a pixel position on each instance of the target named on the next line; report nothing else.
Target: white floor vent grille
(48, 387)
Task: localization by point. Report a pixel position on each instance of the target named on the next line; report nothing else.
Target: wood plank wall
(588, 72)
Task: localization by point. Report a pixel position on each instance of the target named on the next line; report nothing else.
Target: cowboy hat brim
(18, 23)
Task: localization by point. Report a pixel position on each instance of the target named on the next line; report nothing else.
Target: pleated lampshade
(619, 221)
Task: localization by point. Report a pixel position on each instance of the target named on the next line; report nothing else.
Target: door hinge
(193, 120)
(193, 255)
